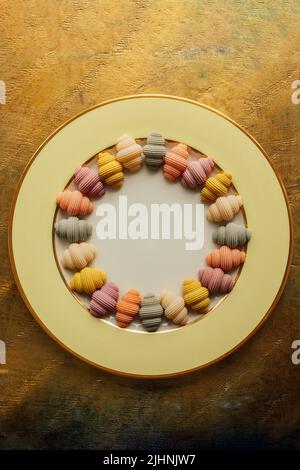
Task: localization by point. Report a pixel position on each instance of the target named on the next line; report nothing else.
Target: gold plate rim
(35, 315)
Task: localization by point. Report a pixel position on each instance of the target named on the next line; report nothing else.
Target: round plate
(173, 352)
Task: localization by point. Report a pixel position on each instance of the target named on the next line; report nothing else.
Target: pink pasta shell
(89, 182)
(104, 300)
(197, 172)
(216, 281)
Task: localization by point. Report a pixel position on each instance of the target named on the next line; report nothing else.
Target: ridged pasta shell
(110, 170)
(216, 186)
(174, 307)
(104, 300)
(216, 281)
(175, 162)
(155, 150)
(127, 308)
(74, 203)
(225, 258)
(129, 153)
(197, 172)
(73, 229)
(78, 255)
(232, 235)
(88, 280)
(195, 295)
(225, 208)
(150, 312)
(88, 182)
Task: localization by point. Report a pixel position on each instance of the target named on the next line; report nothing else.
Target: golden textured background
(59, 57)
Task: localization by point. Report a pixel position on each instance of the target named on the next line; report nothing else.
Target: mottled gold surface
(58, 57)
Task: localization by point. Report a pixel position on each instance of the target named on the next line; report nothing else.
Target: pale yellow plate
(184, 349)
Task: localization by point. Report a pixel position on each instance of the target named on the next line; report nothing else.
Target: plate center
(149, 235)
